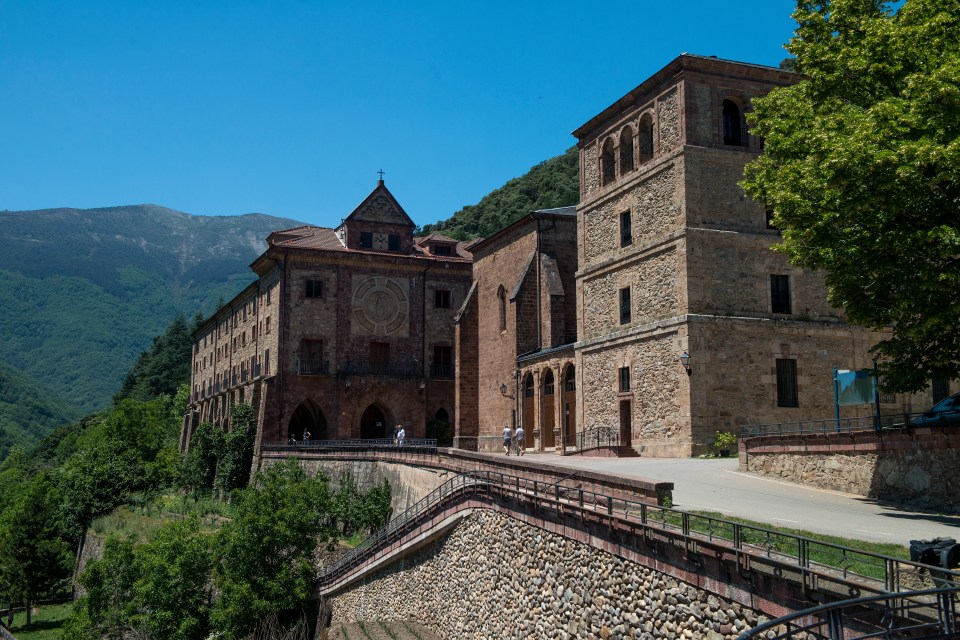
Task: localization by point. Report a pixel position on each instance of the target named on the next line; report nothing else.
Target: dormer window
(441, 250)
(366, 240)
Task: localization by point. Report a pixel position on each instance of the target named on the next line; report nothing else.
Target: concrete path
(716, 485)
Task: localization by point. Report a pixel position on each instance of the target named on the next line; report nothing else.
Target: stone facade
(510, 579)
(522, 303)
(346, 332)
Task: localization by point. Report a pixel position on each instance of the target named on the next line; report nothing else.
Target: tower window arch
(502, 307)
(607, 165)
(646, 138)
(733, 124)
(626, 150)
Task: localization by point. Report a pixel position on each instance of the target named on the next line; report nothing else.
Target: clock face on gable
(380, 241)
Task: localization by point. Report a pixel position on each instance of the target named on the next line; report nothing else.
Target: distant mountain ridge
(84, 291)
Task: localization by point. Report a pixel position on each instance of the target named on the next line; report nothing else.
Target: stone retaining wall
(496, 577)
(913, 467)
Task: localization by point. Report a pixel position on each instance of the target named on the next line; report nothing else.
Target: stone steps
(380, 630)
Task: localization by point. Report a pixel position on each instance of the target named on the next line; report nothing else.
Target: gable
(380, 207)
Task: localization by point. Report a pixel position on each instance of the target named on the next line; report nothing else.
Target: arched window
(607, 167)
(626, 150)
(502, 302)
(548, 383)
(528, 387)
(732, 124)
(646, 138)
(570, 379)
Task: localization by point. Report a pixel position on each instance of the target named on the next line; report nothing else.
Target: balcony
(396, 370)
(312, 367)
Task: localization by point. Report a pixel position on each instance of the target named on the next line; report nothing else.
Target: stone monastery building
(569, 321)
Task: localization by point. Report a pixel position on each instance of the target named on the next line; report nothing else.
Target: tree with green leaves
(236, 453)
(266, 551)
(861, 166)
(35, 557)
(198, 467)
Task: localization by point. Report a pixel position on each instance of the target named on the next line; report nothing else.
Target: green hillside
(26, 410)
(84, 291)
(552, 183)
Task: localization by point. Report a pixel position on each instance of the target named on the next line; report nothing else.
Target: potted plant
(723, 443)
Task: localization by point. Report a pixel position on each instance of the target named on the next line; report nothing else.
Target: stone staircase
(380, 630)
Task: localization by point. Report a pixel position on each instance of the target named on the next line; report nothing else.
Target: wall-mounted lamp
(503, 391)
(685, 361)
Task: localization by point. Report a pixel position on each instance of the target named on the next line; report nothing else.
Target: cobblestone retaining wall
(496, 577)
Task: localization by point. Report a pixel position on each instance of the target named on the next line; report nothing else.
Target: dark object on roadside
(944, 413)
(939, 552)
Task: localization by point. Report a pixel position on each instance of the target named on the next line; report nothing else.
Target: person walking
(518, 439)
(507, 439)
(401, 434)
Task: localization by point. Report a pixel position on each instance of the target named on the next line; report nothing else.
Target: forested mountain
(552, 183)
(27, 409)
(84, 292)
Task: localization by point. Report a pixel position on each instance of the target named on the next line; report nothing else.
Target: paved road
(716, 485)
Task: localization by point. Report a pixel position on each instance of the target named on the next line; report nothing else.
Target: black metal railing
(890, 421)
(441, 371)
(813, 561)
(368, 444)
(312, 366)
(912, 614)
(399, 370)
(598, 437)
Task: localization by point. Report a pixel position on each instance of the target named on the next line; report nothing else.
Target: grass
(143, 521)
(46, 622)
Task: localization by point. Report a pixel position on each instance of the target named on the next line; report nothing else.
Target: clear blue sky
(290, 108)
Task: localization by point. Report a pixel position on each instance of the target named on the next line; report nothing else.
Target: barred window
(787, 383)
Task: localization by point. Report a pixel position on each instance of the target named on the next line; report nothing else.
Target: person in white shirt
(401, 434)
(518, 439)
(507, 439)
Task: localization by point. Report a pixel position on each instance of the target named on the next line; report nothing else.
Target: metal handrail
(361, 444)
(891, 421)
(930, 613)
(866, 569)
(596, 437)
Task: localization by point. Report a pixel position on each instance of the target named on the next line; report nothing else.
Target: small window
(625, 305)
(646, 139)
(769, 215)
(268, 324)
(268, 295)
(787, 383)
(626, 230)
(570, 380)
(441, 299)
(314, 289)
(441, 250)
(528, 387)
(266, 362)
(607, 167)
(393, 242)
(366, 240)
(624, 375)
(253, 332)
(502, 301)
(780, 293)
(243, 339)
(548, 383)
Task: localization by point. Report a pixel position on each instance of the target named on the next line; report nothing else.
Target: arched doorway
(547, 417)
(308, 416)
(570, 405)
(373, 424)
(440, 428)
(528, 407)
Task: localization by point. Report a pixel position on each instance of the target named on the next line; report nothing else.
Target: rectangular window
(268, 295)
(366, 240)
(442, 362)
(268, 324)
(780, 293)
(266, 362)
(243, 339)
(253, 332)
(379, 355)
(393, 242)
(624, 379)
(625, 305)
(441, 250)
(787, 383)
(311, 357)
(314, 289)
(626, 229)
(441, 299)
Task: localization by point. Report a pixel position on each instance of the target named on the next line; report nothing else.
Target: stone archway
(547, 418)
(308, 416)
(528, 411)
(373, 424)
(569, 413)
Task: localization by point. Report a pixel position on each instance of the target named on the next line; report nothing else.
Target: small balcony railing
(312, 367)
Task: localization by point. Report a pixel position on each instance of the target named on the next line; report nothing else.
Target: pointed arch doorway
(308, 417)
(373, 424)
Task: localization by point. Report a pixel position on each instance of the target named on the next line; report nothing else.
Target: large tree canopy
(861, 167)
